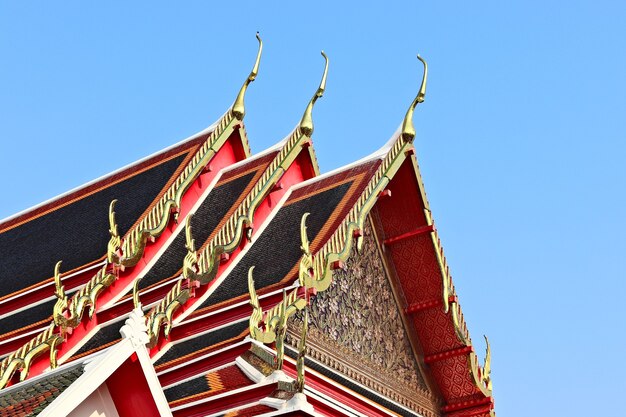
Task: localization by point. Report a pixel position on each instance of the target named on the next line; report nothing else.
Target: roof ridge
(152, 225)
(200, 266)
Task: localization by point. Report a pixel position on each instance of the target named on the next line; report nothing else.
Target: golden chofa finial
(238, 107)
(306, 124)
(408, 130)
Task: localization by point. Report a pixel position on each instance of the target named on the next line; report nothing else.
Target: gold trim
(238, 107)
(156, 220)
(408, 130)
(306, 124)
(68, 314)
(271, 325)
(22, 358)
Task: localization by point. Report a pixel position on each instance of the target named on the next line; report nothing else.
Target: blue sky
(521, 141)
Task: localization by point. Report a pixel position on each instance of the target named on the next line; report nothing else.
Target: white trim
(221, 413)
(117, 171)
(101, 367)
(343, 409)
(201, 357)
(379, 154)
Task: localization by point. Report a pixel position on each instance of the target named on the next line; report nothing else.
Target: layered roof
(218, 230)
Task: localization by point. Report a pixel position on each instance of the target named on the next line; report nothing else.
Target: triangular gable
(355, 329)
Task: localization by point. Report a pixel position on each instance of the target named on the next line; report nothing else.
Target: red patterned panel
(435, 330)
(455, 381)
(418, 269)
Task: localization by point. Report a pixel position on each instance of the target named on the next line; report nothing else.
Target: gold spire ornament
(115, 240)
(408, 130)
(306, 124)
(239, 110)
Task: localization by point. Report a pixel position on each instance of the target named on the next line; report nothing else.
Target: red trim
(416, 232)
(462, 405)
(425, 305)
(448, 354)
(329, 388)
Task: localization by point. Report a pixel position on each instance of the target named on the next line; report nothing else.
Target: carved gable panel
(355, 328)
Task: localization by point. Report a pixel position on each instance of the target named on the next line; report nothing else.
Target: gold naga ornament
(200, 267)
(128, 251)
(67, 314)
(349, 233)
(271, 326)
(315, 272)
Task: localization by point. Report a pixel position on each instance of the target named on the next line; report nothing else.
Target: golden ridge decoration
(408, 130)
(68, 314)
(154, 223)
(200, 267)
(22, 358)
(305, 270)
(115, 241)
(482, 375)
(163, 313)
(306, 124)
(271, 325)
(339, 246)
(238, 107)
(127, 251)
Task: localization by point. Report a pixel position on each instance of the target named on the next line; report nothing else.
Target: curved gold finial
(306, 124)
(136, 301)
(190, 241)
(59, 289)
(112, 223)
(238, 107)
(486, 374)
(408, 130)
(304, 239)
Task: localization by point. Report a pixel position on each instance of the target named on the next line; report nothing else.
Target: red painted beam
(463, 405)
(436, 357)
(425, 305)
(417, 232)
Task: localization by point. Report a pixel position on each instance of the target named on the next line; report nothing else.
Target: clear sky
(521, 141)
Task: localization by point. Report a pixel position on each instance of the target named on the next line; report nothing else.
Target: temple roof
(222, 253)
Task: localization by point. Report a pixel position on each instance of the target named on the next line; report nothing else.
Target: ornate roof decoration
(123, 252)
(197, 301)
(339, 246)
(200, 267)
